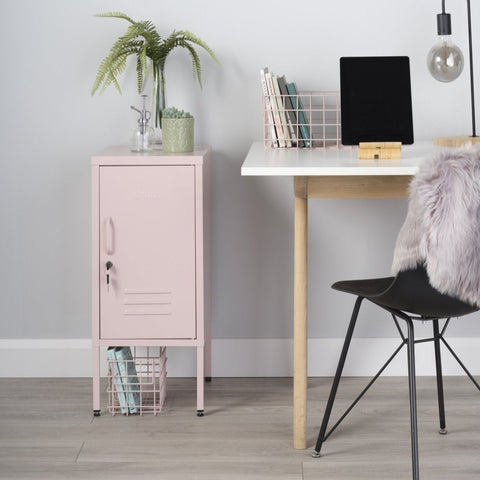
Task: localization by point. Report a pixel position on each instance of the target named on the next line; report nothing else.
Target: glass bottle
(143, 136)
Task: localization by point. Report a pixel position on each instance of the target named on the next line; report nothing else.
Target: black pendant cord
(470, 54)
(444, 28)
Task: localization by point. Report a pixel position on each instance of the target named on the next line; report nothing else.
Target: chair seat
(410, 291)
(367, 288)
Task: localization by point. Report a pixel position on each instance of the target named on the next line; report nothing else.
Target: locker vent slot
(147, 302)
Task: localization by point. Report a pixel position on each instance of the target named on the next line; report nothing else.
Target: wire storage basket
(302, 120)
(136, 382)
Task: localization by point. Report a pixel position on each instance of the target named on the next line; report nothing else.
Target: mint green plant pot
(177, 135)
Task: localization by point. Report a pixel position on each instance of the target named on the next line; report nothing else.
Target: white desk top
(261, 161)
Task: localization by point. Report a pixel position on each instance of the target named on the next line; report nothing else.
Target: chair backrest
(411, 291)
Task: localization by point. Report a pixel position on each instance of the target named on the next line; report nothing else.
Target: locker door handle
(109, 235)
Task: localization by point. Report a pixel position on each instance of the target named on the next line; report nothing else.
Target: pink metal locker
(150, 251)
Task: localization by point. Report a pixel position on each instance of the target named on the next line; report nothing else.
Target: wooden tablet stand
(379, 150)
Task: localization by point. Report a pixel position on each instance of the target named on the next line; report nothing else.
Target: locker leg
(200, 380)
(208, 350)
(96, 381)
(208, 358)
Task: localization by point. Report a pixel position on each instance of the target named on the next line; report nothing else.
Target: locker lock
(108, 266)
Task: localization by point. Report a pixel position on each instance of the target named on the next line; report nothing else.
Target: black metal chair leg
(438, 363)
(338, 374)
(413, 398)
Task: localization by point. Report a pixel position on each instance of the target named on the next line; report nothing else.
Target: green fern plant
(142, 40)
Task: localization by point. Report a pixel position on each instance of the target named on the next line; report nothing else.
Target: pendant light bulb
(445, 60)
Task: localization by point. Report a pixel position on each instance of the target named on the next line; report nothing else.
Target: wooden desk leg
(300, 322)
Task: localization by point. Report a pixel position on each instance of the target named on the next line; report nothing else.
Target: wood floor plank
(47, 431)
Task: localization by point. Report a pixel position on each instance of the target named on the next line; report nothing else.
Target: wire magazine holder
(305, 120)
(136, 381)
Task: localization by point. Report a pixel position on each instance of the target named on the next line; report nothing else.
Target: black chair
(408, 296)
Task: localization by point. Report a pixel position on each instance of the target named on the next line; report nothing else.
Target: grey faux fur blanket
(442, 227)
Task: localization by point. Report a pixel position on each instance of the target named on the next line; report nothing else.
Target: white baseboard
(239, 357)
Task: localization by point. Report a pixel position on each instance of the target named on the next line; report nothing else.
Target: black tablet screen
(376, 100)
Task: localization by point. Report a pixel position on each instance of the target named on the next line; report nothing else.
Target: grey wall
(50, 51)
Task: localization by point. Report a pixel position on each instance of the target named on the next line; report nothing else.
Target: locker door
(147, 233)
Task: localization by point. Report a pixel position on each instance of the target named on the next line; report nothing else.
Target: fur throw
(442, 227)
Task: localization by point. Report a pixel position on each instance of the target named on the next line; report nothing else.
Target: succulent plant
(173, 112)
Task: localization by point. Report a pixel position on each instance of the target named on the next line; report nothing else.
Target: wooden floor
(47, 431)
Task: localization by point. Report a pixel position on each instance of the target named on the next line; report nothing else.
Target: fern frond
(149, 32)
(142, 68)
(114, 64)
(108, 81)
(185, 39)
(197, 71)
(189, 36)
(108, 71)
(99, 79)
(115, 68)
(115, 15)
(169, 44)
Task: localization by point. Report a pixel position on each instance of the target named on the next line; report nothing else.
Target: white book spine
(268, 108)
(281, 111)
(276, 114)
